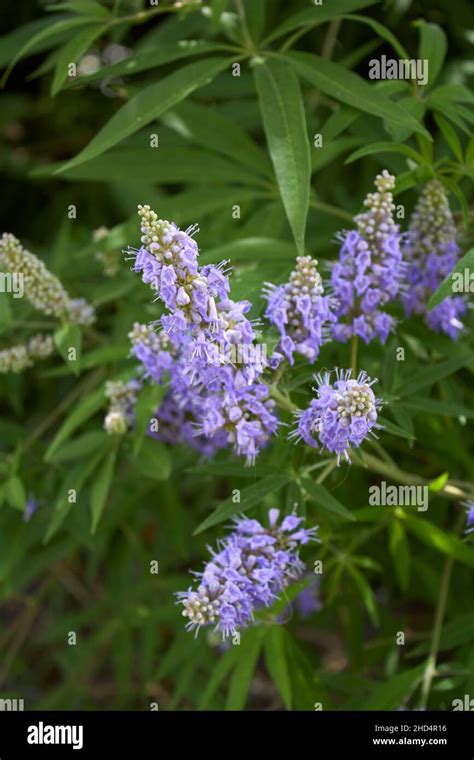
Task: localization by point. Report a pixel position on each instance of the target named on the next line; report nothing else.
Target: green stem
(449, 491)
(354, 345)
(332, 210)
(282, 399)
(430, 667)
(245, 30)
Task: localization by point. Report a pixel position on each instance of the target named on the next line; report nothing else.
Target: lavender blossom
(370, 270)
(122, 398)
(42, 288)
(204, 349)
(432, 252)
(251, 567)
(469, 517)
(342, 415)
(23, 355)
(300, 311)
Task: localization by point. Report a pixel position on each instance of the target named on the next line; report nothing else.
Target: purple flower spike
(432, 252)
(343, 414)
(370, 270)
(469, 517)
(300, 311)
(252, 566)
(204, 349)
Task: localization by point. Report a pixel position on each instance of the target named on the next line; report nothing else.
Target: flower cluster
(431, 252)
(122, 397)
(343, 413)
(206, 350)
(469, 517)
(370, 270)
(23, 355)
(108, 259)
(42, 288)
(251, 567)
(300, 311)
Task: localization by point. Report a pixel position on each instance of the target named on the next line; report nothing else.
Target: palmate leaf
(285, 127)
(147, 105)
(339, 83)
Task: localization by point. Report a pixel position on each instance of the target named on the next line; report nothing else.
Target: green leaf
(390, 427)
(249, 497)
(449, 135)
(14, 493)
(250, 249)
(80, 447)
(101, 487)
(203, 126)
(438, 539)
(446, 288)
(400, 551)
(366, 593)
(87, 407)
(385, 147)
(455, 633)
(276, 661)
(134, 64)
(153, 460)
(431, 375)
(147, 105)
(219, 673)
(334, 80)
(82, 7)
(72, 52)
(433, 47)
(243, 673)
(44, 34)
(331, 151)
(68, 340)
(159, 165)
(316, 15)
(285, 127)
(439, 483)
(325, 500)
(17, 39)
(382, 32)
(391, 693)
(435, 406)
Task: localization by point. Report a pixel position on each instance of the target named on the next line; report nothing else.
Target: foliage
(84, 143)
